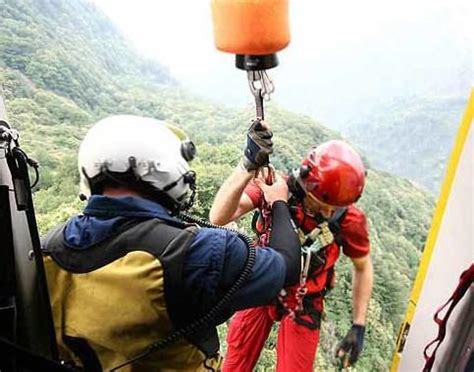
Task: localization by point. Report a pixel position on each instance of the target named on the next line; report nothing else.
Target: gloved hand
(259, 146)
(351, 346)
(274, 192)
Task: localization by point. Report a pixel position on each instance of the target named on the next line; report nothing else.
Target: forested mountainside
(71, 49)
(64, 66)
(411, 137)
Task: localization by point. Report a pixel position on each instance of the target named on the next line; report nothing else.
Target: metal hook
(267, 84)
(261, 85)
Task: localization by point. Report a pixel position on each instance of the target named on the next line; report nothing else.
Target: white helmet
(141, 153)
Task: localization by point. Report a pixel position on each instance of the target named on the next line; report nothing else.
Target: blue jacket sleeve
(214, 262)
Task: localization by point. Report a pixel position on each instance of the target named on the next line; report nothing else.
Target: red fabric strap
(465, 281)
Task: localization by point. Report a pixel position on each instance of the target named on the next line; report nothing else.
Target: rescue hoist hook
(261, 86)
(254, 31)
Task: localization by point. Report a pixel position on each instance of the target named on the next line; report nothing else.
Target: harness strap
(314, 259)
(26, 360)
(266, 211)
(465, 281)
(314, 321)
(84, 352)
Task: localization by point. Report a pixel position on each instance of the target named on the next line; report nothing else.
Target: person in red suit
(323, 191)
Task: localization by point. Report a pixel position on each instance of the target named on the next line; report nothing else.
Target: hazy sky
(343, 54)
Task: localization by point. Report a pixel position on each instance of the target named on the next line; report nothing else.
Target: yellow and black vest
(112, 300)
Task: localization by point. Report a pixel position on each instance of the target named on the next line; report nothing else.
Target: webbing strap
(465, 281)
(309, 317)
(265, 209)
(26, 360)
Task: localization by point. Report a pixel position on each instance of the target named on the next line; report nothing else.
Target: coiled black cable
(217, 309)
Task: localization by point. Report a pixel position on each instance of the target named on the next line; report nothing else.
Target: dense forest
(63, 65)
(394, 136)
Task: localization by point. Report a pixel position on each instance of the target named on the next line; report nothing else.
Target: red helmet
(333, 173)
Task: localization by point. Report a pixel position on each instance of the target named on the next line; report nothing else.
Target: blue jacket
(213, 262)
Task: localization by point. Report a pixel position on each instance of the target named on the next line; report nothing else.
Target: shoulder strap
(49, 235)
(153, 236)
(335, 224)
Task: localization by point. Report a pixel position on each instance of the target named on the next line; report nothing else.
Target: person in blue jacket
(127, 273)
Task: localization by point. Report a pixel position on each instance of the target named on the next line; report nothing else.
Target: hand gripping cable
(268, 174)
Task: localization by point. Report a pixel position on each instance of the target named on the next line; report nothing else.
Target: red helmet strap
(295, 181)
(305, 169)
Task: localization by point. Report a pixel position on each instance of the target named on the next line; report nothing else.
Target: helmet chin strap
(188, 178)
(190, 199)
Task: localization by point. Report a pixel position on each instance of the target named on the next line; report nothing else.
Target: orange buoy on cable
(251, 27)
(253, 30)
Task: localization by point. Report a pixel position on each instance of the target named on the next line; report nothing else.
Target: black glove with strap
(259, 146)
(351, 346)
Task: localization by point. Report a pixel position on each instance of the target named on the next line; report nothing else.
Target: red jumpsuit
(297, 344)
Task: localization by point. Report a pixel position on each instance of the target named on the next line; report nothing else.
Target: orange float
(251, 27)
(253, 30)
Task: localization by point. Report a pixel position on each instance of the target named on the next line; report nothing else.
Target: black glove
(351, 346)
(259, 146)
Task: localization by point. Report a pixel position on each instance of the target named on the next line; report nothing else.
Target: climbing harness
(320, 237)
(313, 255)
(313, 250)
(313, 262)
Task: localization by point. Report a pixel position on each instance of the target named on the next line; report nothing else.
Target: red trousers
(248, 331)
